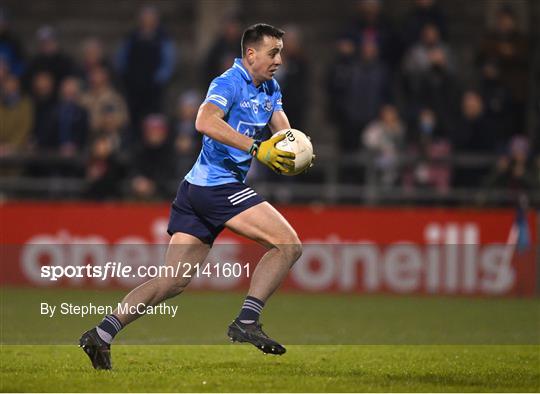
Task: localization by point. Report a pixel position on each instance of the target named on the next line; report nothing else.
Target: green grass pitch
(335, 344)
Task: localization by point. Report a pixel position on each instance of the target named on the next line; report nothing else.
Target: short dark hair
(255, 34)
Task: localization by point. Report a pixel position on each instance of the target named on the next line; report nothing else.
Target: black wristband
(254, 148)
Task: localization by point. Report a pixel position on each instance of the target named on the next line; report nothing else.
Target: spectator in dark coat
(473, 134)
(50, 58)
(44, 106)
(146, 62)
(475, 131)
(223, 50)
(293, 77)
(369, 24)
(104, 171)
(430, 79)
(337, 80)
(509, 47)
(357, 88)
(187, 139)
(499, 105)
(154, 161)
(70, 122)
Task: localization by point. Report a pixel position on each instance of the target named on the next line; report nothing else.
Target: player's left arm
(278, 121)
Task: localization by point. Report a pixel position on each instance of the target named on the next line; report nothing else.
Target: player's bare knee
(291, 247)
(296, 251)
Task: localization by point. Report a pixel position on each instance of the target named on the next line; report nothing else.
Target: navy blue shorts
(203, 210)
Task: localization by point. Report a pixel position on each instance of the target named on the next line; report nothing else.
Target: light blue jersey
(248, 110)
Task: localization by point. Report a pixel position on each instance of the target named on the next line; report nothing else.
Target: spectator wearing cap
(50, 58)
(146, 61)
(107, 108)
(153, 162)
(11, 50)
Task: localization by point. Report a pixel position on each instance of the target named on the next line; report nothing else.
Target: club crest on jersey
(267, 105)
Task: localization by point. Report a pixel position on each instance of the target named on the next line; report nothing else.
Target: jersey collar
(238, 65)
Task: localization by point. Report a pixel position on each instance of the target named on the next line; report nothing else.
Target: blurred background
(424, 116)
(407, 102)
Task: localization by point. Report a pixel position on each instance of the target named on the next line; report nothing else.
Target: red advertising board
(346, 249)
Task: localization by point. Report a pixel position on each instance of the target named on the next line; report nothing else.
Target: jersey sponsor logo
(248, 132)
(250, 129)
(245, 104)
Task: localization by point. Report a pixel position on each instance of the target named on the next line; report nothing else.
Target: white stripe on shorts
(244, 197)
(240, 192)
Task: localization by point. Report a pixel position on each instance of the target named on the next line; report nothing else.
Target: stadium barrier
(324, 183)
(346, 249)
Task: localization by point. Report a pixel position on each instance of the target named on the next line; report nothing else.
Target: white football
(298, 143)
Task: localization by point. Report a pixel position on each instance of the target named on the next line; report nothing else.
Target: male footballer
(240, 103)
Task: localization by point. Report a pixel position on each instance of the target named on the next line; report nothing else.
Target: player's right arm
(210, 121)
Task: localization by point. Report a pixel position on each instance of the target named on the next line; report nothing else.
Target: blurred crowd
(399, 90)
(391, 91)
(106, 113)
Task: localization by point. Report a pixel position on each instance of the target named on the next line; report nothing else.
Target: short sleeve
(221, 93)
(278, 105)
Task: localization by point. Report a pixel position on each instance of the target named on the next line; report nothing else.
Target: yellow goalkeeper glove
(276, 159)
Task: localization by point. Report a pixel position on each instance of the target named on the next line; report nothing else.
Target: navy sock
(109, 327)
(251, 310)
